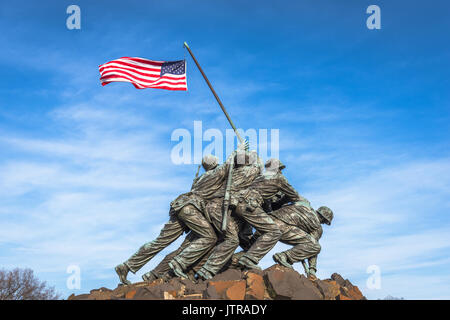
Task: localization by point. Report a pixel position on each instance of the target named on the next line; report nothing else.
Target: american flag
(144, 73)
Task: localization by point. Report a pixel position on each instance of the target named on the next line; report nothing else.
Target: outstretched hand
(243, 146)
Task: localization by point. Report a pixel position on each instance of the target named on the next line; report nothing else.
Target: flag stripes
(144, 73)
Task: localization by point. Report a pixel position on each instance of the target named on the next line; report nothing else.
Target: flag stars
(173, 67)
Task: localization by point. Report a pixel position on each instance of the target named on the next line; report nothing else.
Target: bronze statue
(264, 201)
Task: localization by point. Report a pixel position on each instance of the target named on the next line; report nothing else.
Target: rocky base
(274, 283)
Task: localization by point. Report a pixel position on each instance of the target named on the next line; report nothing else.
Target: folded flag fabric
(144, 73)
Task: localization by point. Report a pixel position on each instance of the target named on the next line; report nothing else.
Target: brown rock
(79, 297)
(211, 293)
(355, 293)
(338, 278)
(347, 284)
(142, 294)
(276, 282)
(121, 291)
(147, 284)
(328, 289)
(157, 291)
(130, 294)
(100, 294)
(255, 287)
(179, 285)
(347, 288)
(117, 296)
(151, 293)
(229, 274)
(218, 289)
(343, 291)
(195, 296)
(220, 286)
(236, 291)
(285, 284)
(307, 291)
(169, 295)
(102, 289)
(266, 294)
(255, 271)
(191, 288)
(175, 293)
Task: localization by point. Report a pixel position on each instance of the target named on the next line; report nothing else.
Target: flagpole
(214, 92)
(226, 200)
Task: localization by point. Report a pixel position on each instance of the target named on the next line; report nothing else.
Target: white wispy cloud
(91, 196)
(393, 218)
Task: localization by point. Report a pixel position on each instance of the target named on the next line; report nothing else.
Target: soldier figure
(247, 168)
(249, 207)
(237, 232)
(186, 213)
(301, 227)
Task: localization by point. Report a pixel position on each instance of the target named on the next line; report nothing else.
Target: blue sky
(85, 170)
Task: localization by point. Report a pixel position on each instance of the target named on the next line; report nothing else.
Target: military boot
(122, 271)
(246, 263)
(281, 259)
(168, 275)
(204, 274)
(191, 276)
(312, 274)
(149, 277)
(177, 269)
